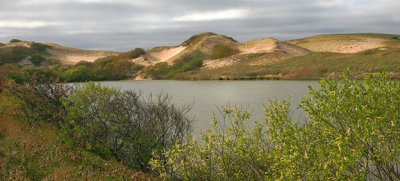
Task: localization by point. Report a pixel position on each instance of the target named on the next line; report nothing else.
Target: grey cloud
(122, 25)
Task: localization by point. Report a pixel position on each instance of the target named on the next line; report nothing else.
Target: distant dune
(213, 56)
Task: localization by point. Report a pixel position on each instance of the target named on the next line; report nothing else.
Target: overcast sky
(122, 25)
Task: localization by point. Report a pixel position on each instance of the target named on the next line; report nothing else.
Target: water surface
(207, 96)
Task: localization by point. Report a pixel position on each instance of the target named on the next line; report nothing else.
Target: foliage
(232, 152)
(351, 133)
(79, 73)
(185, 64)
(15, 40)
(41, 100)
(221, 51)
(17, 53)
(102, 69)
(113, 123)
(39, 47)
(37, 60)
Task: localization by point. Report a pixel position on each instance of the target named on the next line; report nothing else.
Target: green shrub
(112, 123)
(351, 133)
(137, 52)
(185, 64)
(221, 51)
(40, 100)
(80, 73)
(39, 48)
(15, 40)
(37, 60)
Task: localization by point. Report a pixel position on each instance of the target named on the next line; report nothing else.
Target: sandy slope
(73, 56)
(163, 54)
(268, 51)
(339, 43)
(267, 45)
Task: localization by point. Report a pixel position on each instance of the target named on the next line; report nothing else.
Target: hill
(213, 56)
(28, 53)
(307, 58)
(347, 43)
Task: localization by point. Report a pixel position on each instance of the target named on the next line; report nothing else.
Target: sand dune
(267, 45)
(339, 43)
(163, 54)
(72, 56)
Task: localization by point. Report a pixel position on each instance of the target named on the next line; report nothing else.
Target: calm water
(207, 96)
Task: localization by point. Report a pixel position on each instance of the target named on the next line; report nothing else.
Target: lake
(207, 96)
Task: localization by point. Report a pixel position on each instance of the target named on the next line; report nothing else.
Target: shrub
(110, 122)
(351, 133)
(221, 51)
(163, 70)
(37, 60)
(39, 48)
(15, 40)
(41, 99)
(137, 52)
(80, 73)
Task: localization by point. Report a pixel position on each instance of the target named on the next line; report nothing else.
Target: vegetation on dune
(348, 135)
(185, 64)
(196, 38)
(221, 51)
(311, 66)
(15, 40)
(371, 53)
(17, 53)
(137, 52)
(37, 60)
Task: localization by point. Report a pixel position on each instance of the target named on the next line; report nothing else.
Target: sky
(122, 25)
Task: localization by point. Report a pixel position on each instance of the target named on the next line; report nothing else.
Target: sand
(164, 54)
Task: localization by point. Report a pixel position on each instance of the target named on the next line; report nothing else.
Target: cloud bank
(122, 25)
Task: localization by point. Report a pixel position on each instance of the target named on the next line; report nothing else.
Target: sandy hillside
(340, 43)
(163, 54)
(267, 45)
(259, 52)
(73, 56)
